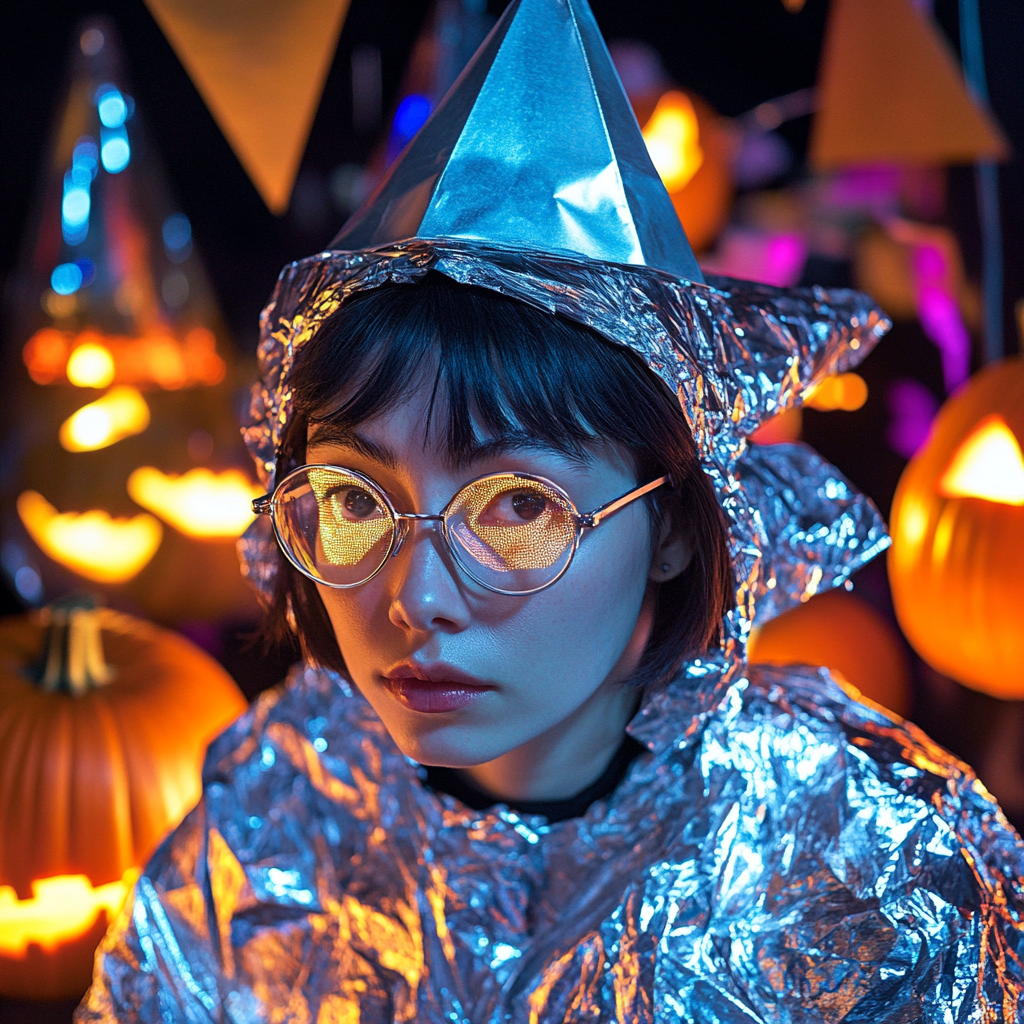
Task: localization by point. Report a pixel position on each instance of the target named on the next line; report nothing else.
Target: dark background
(736, 53)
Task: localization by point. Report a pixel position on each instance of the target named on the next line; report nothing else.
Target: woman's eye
(527, 505)
(359, 504)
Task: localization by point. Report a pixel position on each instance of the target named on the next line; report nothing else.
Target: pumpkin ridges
(27, 826)
(15, 766)
(201, 715)
(108, 851)
(51, 806)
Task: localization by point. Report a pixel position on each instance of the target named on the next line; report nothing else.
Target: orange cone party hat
(891, 92)
(261, 68)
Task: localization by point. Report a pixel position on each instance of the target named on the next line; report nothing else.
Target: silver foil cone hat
(534, 145)
(532, 179)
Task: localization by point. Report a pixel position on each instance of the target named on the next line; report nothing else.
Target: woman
(526, 773)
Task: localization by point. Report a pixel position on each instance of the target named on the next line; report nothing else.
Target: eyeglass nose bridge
(402, 520)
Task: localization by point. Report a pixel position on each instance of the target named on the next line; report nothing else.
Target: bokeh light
(90, 366)
(66, 278)
(111, 106)
(200, 503)
(92, 544)
(120, 413)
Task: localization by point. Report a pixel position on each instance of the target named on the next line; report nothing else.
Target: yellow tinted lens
(352, 518)
(514, 523)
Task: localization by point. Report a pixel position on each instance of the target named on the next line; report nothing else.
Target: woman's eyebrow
(479, 451)
(328, 433)
(515, 441)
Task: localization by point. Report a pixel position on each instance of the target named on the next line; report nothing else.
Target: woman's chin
(448, 748)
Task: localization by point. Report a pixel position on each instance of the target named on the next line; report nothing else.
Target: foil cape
(736, 353)
(790, 854)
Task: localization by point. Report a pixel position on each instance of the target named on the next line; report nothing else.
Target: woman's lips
(433, 696)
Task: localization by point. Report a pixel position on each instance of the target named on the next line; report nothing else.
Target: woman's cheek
(577, 630)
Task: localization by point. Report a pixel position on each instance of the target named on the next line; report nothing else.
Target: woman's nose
(427, 596)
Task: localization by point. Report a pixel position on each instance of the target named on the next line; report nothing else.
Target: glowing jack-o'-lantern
(957, 558)
(103, 723)
(125, 363)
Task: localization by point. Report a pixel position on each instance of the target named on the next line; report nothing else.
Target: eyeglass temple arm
(262, 506)
(594, 518)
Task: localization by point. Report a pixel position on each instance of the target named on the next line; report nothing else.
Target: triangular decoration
(891, 91)
(260, 66)
(535, 144)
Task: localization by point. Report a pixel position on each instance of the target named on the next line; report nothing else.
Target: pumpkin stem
(72, 660)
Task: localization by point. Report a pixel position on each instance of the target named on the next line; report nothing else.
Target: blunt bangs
(524, 375)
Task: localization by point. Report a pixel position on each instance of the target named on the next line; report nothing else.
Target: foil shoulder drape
(783, 853)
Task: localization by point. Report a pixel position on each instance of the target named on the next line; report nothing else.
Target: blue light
(113, 109)
(177, 232)
(411, 115)
(75, 207)
(114, 150)
(88, 269)
(28, 584)
(84, 161)
(66, 278)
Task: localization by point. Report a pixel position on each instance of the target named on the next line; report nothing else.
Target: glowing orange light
(60, 909)
(988, 465)
(200, 503)
(120, 413)
(91, 359)
(46, 355)
(92, 544)
(90, 366)
(845, 391)
(673, 140)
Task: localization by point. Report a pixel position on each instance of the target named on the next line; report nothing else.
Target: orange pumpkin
(957, 558)
(844, 633)
(104, 720)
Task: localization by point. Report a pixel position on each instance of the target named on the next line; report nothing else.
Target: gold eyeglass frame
(266, 505)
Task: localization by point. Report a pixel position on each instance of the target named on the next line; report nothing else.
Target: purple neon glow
(772, 258)
(939, 313)
(873, 188)
(912, 407)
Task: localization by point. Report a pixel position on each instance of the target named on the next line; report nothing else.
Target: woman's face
(459, 675)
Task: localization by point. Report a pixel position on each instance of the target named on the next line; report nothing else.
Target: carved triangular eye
(988, 465)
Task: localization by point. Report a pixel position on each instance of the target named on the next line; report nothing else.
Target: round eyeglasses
(512, 533)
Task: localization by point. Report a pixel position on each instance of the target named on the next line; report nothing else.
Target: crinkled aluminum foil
(735, 352)
(784, 853)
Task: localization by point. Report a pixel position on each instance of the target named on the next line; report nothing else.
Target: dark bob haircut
(521, 373)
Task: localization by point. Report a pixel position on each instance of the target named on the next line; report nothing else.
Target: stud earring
(665, 567)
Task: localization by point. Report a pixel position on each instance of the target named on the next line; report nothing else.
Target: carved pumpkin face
(957, 558)
(91, 780)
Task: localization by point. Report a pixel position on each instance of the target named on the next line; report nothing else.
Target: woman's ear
(673, 550)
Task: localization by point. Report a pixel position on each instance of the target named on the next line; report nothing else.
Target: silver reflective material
(535, 144)
(783, 852)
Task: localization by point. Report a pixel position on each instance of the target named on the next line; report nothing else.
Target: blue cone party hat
(535, 145)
